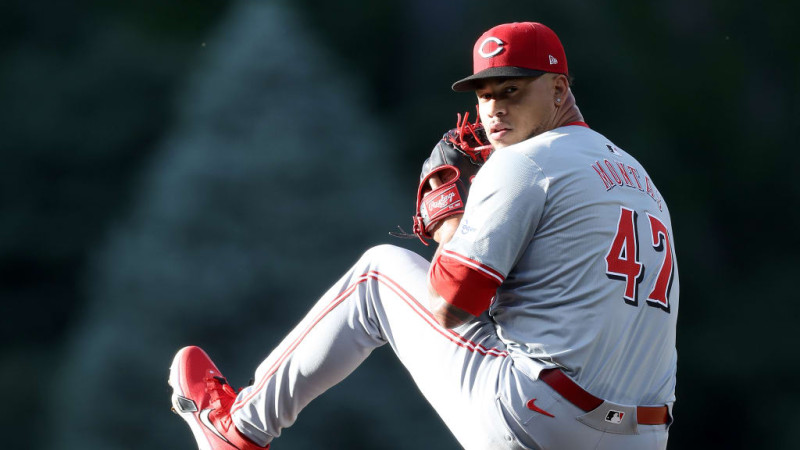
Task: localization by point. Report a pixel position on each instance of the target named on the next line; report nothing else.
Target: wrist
(446, 229)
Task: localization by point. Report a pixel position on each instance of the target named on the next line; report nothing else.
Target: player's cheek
(483, 113)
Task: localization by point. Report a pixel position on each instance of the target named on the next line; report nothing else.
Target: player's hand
(433, 182)
(446, 228)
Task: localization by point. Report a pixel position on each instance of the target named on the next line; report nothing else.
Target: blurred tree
(86, 91)
(270, 185)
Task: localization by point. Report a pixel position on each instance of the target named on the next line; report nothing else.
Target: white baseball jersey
(581, 241)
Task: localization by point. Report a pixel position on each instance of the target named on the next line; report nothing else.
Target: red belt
(645, 415)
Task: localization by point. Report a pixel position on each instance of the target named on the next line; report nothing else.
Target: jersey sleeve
(464, 283)
(506, 202)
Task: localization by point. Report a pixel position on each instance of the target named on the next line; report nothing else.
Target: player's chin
(498, 143)
(505, 138)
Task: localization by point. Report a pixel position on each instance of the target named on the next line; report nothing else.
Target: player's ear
(560, 88)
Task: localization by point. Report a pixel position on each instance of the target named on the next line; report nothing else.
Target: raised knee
(384, 251)
(387, 253)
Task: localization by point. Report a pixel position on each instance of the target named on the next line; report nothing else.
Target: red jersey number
(622, 259)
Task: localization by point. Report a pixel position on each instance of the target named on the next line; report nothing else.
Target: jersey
(581, 244)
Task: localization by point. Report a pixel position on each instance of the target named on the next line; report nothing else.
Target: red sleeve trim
(464, 283)
(476, 265)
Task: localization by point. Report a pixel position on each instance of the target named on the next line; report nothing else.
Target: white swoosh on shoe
(207, 422)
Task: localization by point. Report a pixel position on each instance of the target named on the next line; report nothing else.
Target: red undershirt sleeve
(464, 283)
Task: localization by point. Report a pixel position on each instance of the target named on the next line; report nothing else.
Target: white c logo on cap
(493, 52)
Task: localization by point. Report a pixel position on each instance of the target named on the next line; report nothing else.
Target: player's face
(515, 109)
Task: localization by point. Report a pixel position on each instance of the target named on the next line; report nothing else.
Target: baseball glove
(455, 159)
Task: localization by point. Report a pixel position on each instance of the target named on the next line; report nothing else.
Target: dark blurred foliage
(197, 172)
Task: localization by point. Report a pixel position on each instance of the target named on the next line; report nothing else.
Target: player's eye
(485, 96)
(510, 89)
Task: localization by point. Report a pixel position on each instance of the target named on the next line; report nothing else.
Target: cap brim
(470, 83)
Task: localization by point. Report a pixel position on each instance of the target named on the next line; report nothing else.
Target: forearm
(447, 315)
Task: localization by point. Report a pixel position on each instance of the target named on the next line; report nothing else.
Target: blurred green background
(180, 173)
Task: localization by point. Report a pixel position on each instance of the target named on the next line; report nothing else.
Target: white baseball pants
(467, 375)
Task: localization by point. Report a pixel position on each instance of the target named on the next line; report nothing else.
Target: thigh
(456, 370)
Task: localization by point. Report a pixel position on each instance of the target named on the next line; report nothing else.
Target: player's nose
(495, 108)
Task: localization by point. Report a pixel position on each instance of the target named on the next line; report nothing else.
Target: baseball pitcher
(546, 318)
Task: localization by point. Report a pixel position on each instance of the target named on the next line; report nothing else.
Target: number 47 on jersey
(623, 263)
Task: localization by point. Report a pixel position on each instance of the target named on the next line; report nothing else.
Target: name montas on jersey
(618, 173)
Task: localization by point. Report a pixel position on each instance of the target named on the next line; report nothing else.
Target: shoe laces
(222, 397)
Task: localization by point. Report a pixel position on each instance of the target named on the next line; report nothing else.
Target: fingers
(434, 181)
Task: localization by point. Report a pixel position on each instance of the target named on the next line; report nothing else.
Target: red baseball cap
(511, 50)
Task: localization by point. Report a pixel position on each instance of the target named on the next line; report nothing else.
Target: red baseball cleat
(203, 398)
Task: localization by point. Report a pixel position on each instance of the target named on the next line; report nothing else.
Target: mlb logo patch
(614, 417)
